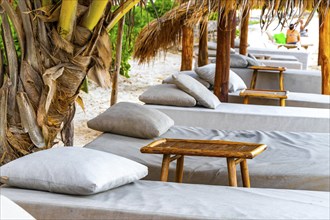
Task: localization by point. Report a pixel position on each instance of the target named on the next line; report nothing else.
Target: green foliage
(252, 22)
(16, 42)
(213, 16)
(134, 22)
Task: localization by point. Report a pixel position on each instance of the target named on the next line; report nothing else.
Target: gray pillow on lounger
(71, 170)
(193, 74)
(167, 94)
(131, 119)
(207, 72)
(191, 86)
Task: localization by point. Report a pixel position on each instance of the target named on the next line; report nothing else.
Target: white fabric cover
(167, 94)
(191, 86)
(207, 72)
(292, 160)
(161, 200)
(132, 119)
(10, 210)
(251, 117)
(72, 170)
(193, 74)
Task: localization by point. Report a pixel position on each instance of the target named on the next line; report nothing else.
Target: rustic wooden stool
(268, 94)
(268, 69)
(235, 152)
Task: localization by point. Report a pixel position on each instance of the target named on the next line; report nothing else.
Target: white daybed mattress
(159, 200)
(292, 160)
(231, 116)
(295, 99)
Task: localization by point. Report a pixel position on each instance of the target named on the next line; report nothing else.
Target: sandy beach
(143, 76)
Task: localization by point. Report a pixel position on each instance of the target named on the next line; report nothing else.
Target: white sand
(98, 99)
(143, 76)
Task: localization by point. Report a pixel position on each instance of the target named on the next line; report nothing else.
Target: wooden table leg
(245, 173)
(282, 102)
(165, 167)
(281, 81)
(179, 169)
(231, 165)
(246, 100)
(254, 79)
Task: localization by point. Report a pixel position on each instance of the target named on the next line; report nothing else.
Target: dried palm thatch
(164, 32)
(60, 45)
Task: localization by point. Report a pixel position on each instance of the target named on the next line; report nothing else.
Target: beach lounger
(302, 81)
(161, 200)
(301, 55)
(231, 116)
(292, 160)
(10, 210)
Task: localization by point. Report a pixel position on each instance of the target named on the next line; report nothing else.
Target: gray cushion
(193, 74)
(252, 60)
(191, 86)
(207, 72)
(167, 94)
(131, 119)
(71, 170)
(238, 61)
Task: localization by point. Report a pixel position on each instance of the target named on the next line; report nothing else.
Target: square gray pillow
(131, 119)
(167, 94)
(207, 72)
(238, 61)
(191, 86)
(193, 74)
(71, 170)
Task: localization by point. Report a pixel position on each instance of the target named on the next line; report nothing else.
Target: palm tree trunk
(114, 91)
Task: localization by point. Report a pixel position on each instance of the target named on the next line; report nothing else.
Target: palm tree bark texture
(60, 44)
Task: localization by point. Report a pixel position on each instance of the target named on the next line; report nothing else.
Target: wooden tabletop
(273, 68)
(264, 93)
(211, 148)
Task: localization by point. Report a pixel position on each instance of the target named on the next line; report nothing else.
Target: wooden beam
(202, 47)
(319, 59)
(187, 48)
(114, 90)
(325, 54)
(244, 31)
(233, 31)
(222, 66)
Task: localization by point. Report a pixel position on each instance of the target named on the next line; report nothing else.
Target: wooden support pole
(187, 48)
(119, 46)
(222, 66)
(233, 31)
(165, 167)
(202, 47)
(325, 54)
(319, 59)
(232, 176)
(244, 32)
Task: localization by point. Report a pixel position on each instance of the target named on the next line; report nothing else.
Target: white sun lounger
(160, 200)
(304, 81)
(292, 160)
(233, 116)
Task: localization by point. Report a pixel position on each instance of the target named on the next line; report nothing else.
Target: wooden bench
(234, 152)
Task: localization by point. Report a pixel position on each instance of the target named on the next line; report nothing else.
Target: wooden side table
(269, 94)
(235, 152)
(269, 69)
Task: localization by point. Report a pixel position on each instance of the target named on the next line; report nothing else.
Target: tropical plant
(61, 42)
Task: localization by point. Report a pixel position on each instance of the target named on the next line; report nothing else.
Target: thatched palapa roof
(166, 31)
